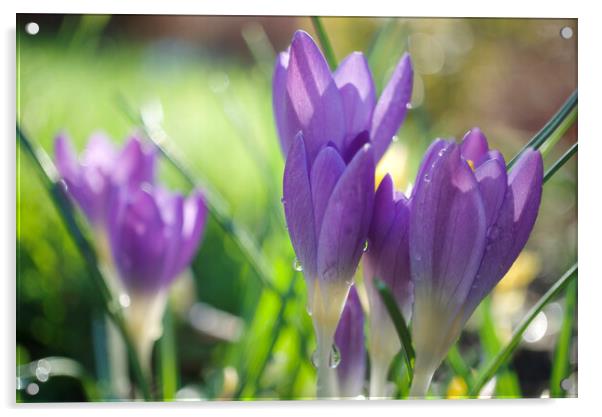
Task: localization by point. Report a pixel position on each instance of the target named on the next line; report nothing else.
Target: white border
(590, 346)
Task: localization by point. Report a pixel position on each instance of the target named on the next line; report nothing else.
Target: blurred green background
(234, 338)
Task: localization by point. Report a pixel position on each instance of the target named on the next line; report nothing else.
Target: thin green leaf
(562, 353)
(58, 193)
(458, 365)
(559, 132)
(400, 326)
(168, 357)
(325, 42)
(560, 162)
(552, 125)
(502, 357)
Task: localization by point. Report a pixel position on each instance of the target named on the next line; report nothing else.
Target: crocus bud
(349, 340)
(88, 179)
(468, 223)
(339, 107)
(154, 235)
(332, 131)
(387, 259)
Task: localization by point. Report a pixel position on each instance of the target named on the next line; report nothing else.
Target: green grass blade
(400, 326)
(325, 42)
(560, 162)
(562, 353)
(550, 127)
(559, 132)
(458, 365)
(502, 356)
(168, 357)
(58, 193)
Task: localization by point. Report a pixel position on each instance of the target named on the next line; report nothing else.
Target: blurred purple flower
(339, 107)
(349, 339)
(387, 259)
(468, 223)
(153, 234)
(88, 179)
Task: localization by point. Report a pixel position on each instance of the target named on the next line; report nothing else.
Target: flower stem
(378, 378)
(325, 42)
(421, 382)
(327, 378)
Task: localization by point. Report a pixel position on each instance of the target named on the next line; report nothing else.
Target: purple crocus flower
(88, 179)
(387, 259)
(332, 132)
(349, 339)
(339, 107)
(468, 223)
(154, 235)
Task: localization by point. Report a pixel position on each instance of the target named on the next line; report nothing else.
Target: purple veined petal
(314, 96)
(354, 81)
(298, 207)
(138, 241)
(508, 236)
(383, 214)
(394, 259)
(474, 145)
(195, 217)
(135, 163)
(287, 124)
(434, 151)
(325, 173)
(392, 106)
(447, 233)
(492, 179)
(349, 338)
(347, 220)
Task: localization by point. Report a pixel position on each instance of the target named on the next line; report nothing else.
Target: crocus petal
(195, 216)
(298, 207)
(354, 80)
(325, 173)
(347, 219)
(509, 234)
(135, 164)
(447, 233)
(171, 206)
(66, 158)
(392, 106)
(383, 214)
(492, 179)
(314, 96)
(100, 153)
(287, 124)
(430, 156)
(138, 243)
(349, 338)
(474, 145)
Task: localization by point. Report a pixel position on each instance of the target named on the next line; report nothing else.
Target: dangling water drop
(365, 248)
(395, 138)
(297, 265)
(314, 358)
(409, 106)
(427, 178)
(335, 357)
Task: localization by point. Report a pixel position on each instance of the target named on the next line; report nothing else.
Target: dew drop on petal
(365, 248)
(297, 265)
(335, 356)
(409, 105)
(124, 300)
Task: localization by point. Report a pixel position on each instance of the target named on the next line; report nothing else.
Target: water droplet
(442, 152)
(334, 361)
(32, 389)
(64, 186)
(297, 265)
(365, 248)
(409, 106)
(308, 309)
(335, 357)
(282, 200)
(395, 138)
(427, 178)
(124, 300)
